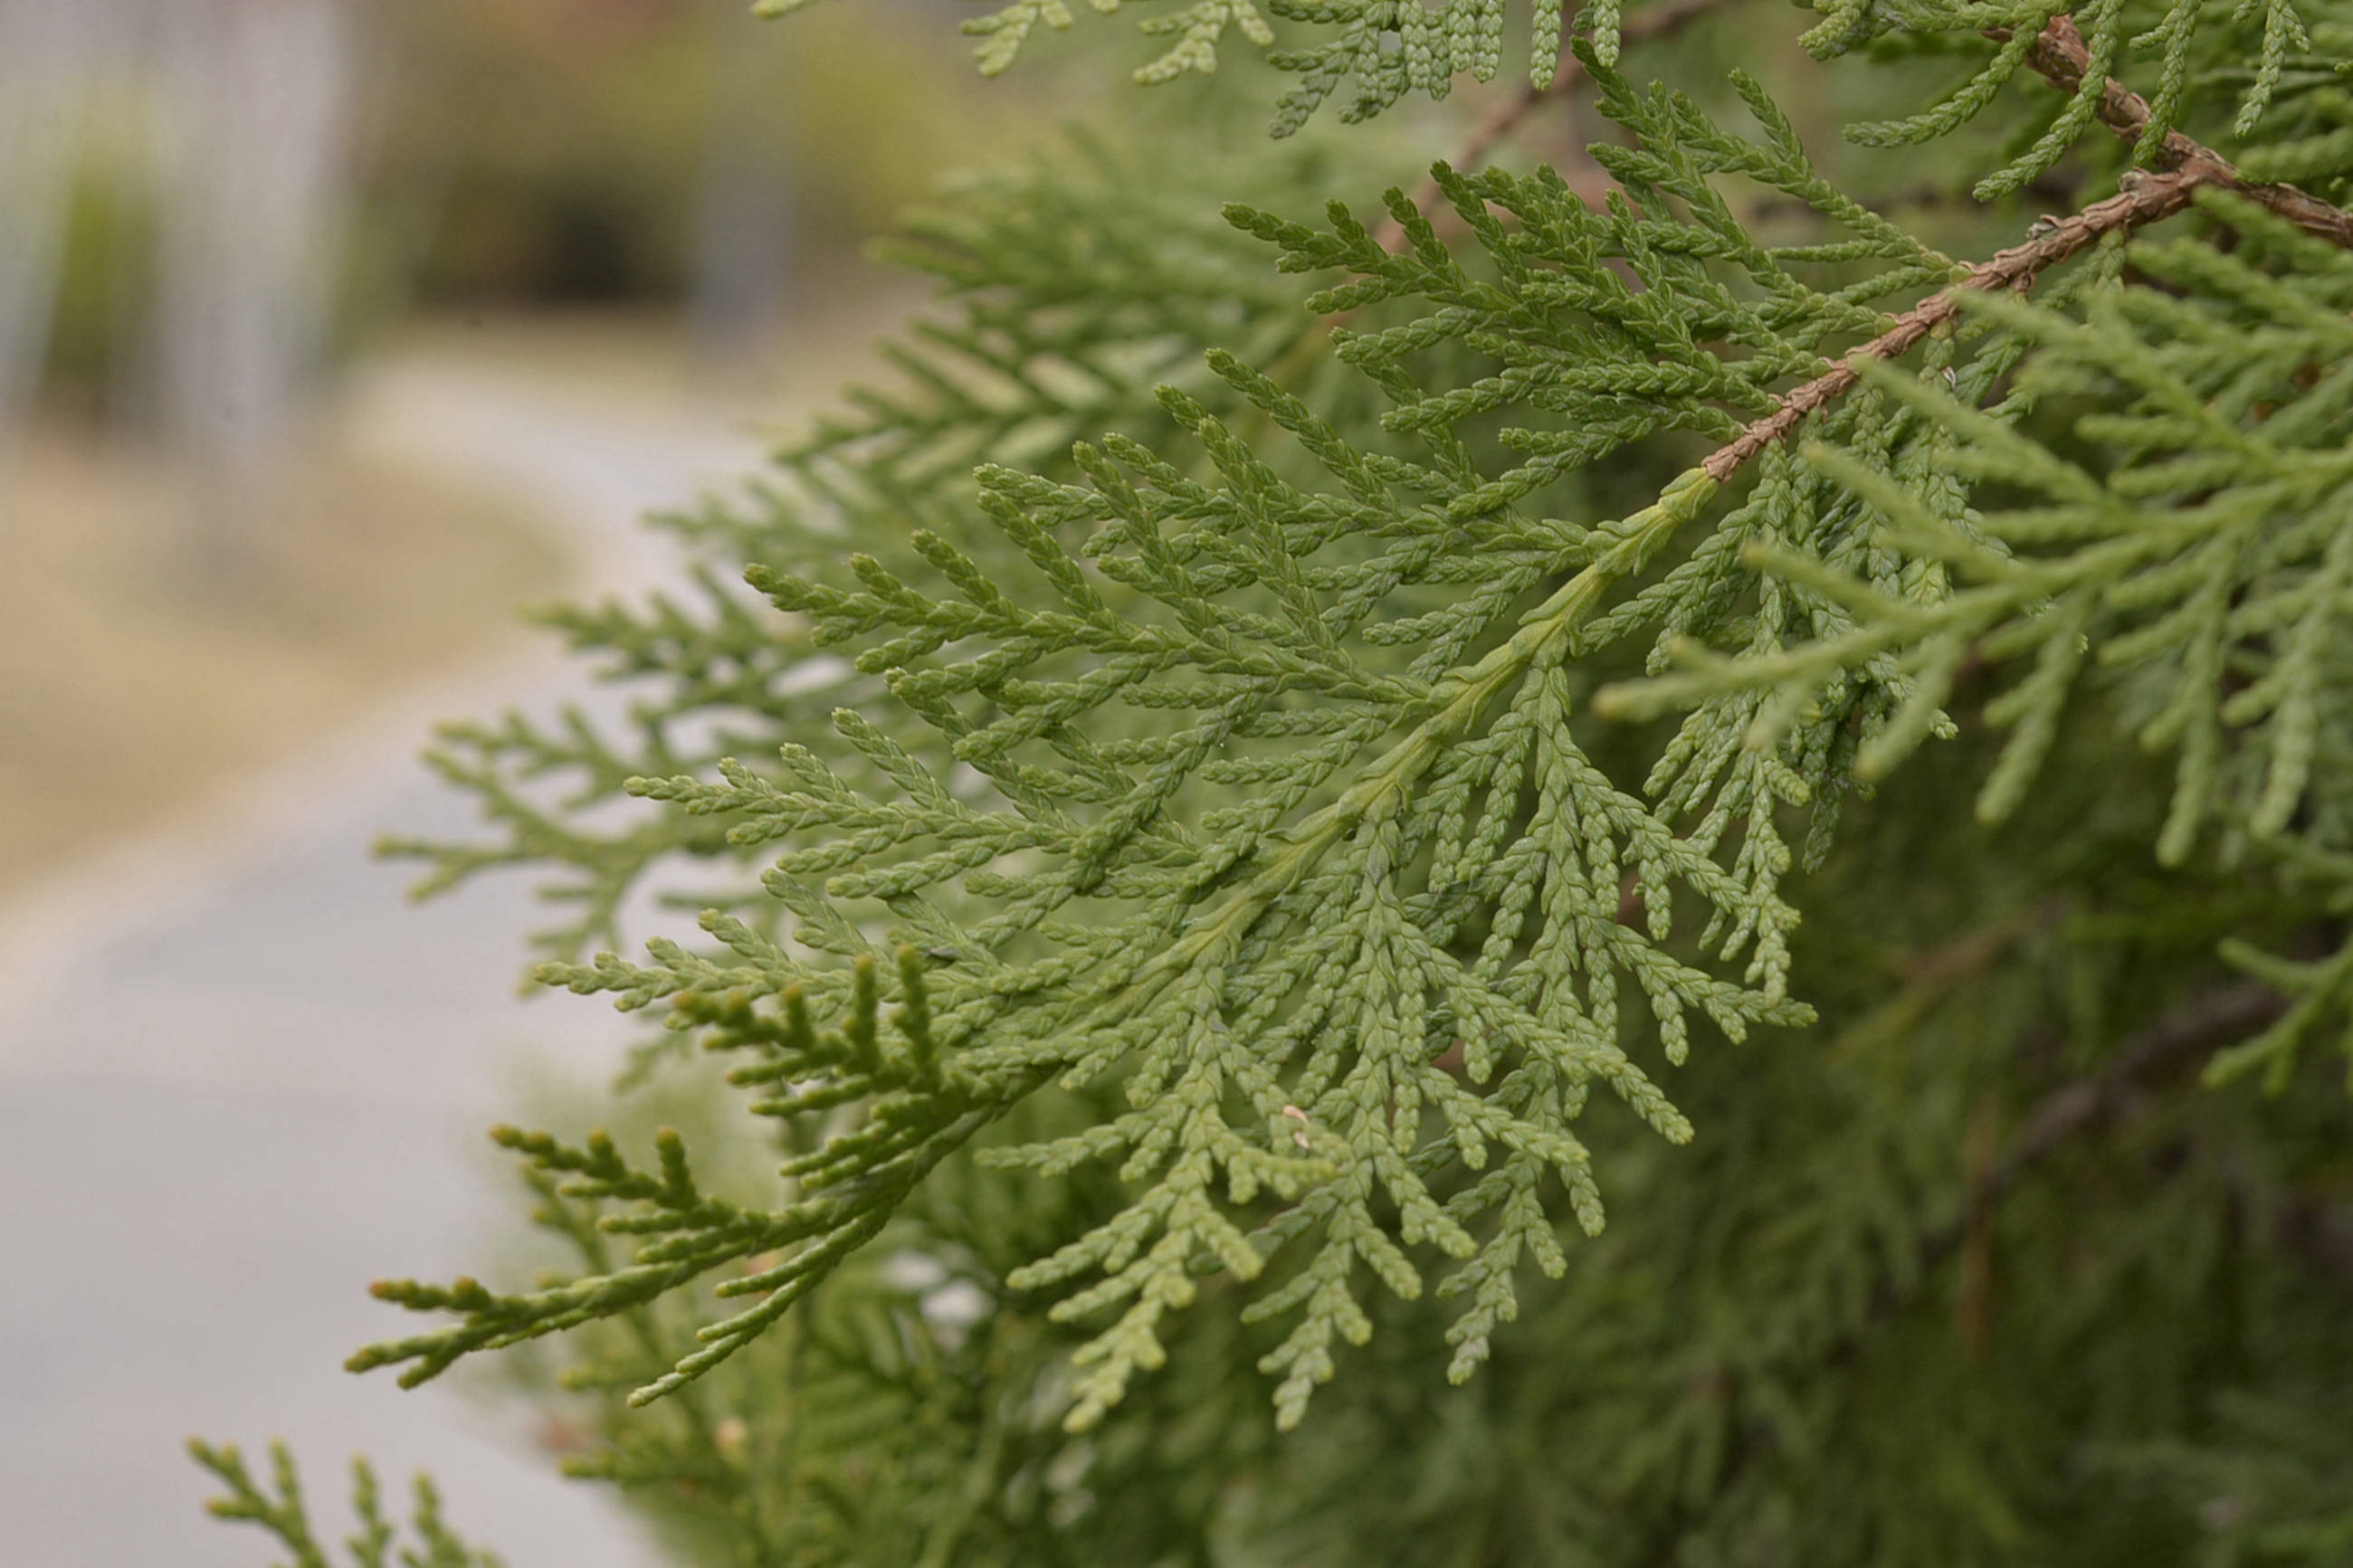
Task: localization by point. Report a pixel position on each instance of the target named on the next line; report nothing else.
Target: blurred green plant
(576, 171)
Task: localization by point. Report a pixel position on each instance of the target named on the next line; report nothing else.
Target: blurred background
(225, 220)
(332, 331)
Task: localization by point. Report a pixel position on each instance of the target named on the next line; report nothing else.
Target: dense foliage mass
(1287, 704)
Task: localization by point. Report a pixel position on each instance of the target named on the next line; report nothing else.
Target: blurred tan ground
(140, 680)
(644, 361)
(138, 677)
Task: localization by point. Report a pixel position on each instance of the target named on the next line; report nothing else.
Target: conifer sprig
(1387, 47)
(2150, 200)
(2091, 61)
(1390, 49)
(919, 1110)
(279, 1509)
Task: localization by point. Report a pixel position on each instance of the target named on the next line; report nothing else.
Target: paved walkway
(240, 1080)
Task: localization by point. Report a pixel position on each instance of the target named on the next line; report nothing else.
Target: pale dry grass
(140, 677)
(139, 674)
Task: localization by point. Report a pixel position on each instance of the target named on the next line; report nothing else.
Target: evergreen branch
(1389, 47)
(1347, 908)
(1276, 980)
(2082, 70)
(2208, 554)
(922, 1110)
(1267, 906)
(286, 1516)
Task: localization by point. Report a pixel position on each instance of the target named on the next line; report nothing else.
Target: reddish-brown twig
(2062, 56)
(2152, 197)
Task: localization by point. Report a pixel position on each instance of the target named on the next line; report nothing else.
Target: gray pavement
(240, 1076)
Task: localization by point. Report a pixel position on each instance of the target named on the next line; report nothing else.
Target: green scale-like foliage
(1390, 47)
(285, 1517)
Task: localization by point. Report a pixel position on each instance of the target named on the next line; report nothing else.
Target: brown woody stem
(2062, 57)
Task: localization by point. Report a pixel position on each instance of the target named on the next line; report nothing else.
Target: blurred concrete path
(239, 1078)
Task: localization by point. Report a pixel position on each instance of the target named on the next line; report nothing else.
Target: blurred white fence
(241, 112)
